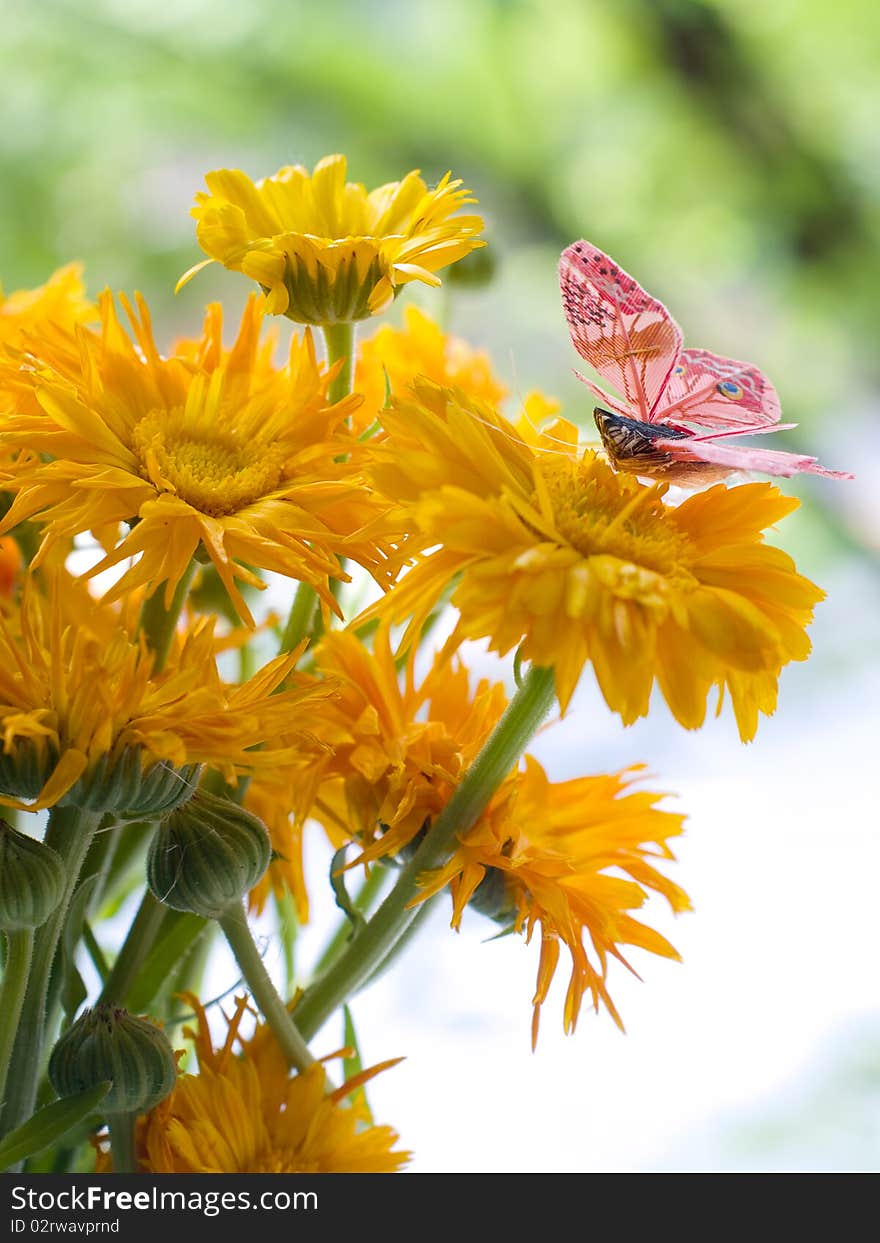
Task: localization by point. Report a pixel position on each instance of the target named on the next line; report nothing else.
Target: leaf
(180, 931)
(73, 989)
(353, 1065)
(126, 871)
(343, 901)
(49, 1125)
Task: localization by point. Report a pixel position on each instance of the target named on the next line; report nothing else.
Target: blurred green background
(724, 152)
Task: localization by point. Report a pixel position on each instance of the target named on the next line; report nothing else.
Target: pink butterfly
(633, 342)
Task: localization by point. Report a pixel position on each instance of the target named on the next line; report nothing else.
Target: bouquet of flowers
(171, 739)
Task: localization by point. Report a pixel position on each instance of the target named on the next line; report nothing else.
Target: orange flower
(573, 858)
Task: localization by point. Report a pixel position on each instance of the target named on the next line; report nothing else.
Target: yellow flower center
(216, 472)
(601, 514)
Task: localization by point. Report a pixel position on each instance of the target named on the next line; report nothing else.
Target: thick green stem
(138, 942)
(99, 862)
(375, 941)
(122, 1146)
(157, 623)
(339, 340)
(70, 832)
(237, 932)
(19, 951)
(364, 899)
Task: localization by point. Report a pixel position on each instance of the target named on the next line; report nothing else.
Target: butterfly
(677, 407)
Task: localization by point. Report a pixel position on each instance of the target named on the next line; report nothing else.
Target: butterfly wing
(718, 393)
(625, 335)
(743, 457)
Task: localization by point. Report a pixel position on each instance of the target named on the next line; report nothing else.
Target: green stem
(95, 952)
(305, 612)
(19, 951)
(237, 932)
(412, 930)
(190, 971)
(362, 902)
(300, 617)
(122, 1146)
(157, 623)
(138, 942)
(99, 862)
(70, 832)
(378, 937)
(339, 340)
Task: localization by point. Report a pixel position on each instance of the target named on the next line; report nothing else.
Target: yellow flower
(571, 858)
(86, 722)
(328, 251)
(282, 796)
(393, 357)
(60, 303)
(559, 555)
(210, 451)
(245, 1114)
(45, 311)
(395, 750)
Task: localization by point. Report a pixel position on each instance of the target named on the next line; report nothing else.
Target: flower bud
(108, 1043)
(120, 784)
(31, 880)
(26, 767)
(492, 897)
(206, 855)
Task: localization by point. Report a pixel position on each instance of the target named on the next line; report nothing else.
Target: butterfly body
(676, 407)
(632, 446)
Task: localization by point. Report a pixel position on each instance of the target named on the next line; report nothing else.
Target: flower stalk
(158, 623)
(19, 952)
(122, 1143)
(339, 341)
(69, 832)
(241, 941)
(138, 942)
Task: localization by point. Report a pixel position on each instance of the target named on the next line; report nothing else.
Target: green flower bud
(25, 768)
(117, 783)
(31, 880)
(120, 784)
(206, 855)
(108, 1043)
(492, 897)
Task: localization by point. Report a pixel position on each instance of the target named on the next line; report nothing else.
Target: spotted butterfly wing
(625, 335)
(675, 404)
